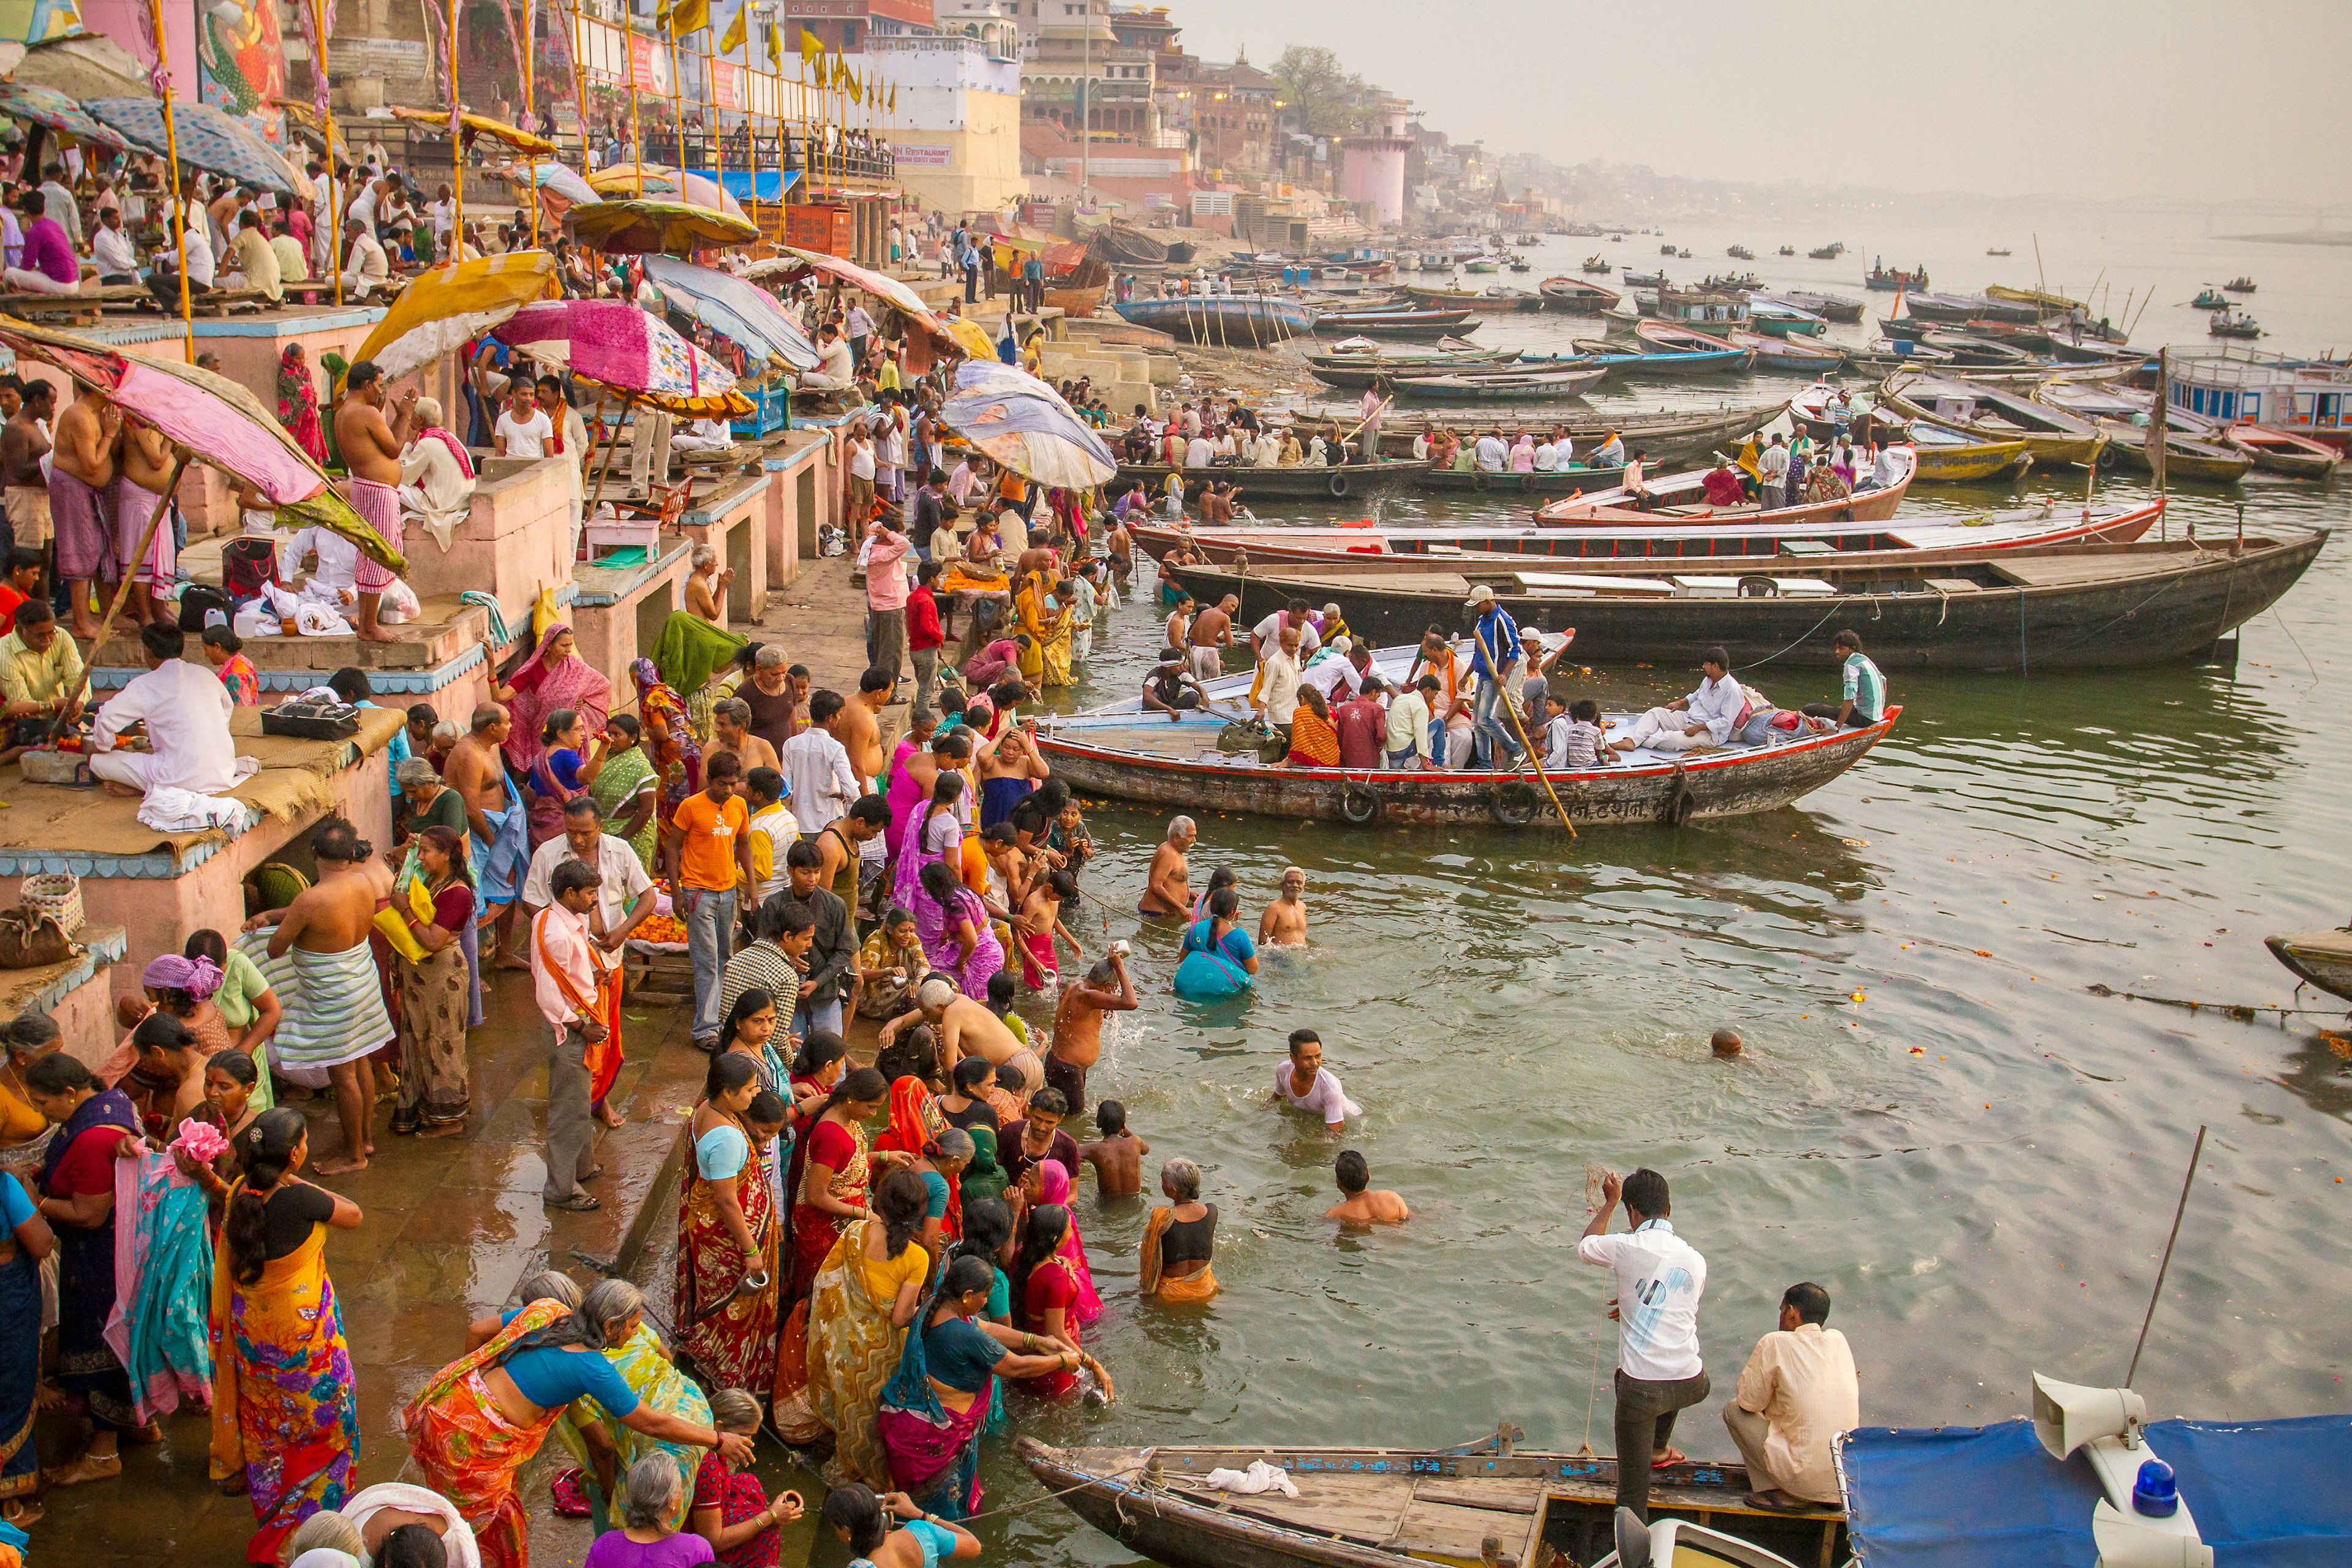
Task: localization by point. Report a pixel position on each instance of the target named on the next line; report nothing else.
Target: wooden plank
(1954, 585)
(1458, 1534)
(1365, 1508)
(1504, 1494)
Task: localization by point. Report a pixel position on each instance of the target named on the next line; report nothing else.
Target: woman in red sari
(1045, 1293)
(830, 1170)
(297, 403)
(554, 676)
(728, 1246)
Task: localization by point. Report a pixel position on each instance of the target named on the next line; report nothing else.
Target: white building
(957, 129)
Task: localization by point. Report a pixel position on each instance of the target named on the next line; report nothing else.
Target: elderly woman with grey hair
(604, 1447)
(437, 477)
(480, 1419)
(651, 1501)
(1178, 1239)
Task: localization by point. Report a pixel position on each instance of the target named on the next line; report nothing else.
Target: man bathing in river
(372, 449)
(1077, 1026)
(965, 1027)
(1118, 1155)
(1167, 886)
(1211, 633)
(1358, 1205)
(1284, 924)
(1304, 1083)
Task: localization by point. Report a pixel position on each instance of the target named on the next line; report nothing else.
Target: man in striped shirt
(1864, 697)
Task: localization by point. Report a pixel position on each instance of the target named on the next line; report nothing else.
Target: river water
(1937, 1117)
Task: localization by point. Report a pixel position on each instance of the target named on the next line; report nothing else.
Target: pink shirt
(886, 571)
(565, 936)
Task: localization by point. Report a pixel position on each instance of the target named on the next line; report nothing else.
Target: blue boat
(1245, 320)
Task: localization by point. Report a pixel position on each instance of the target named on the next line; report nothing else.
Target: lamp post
(1086, 109)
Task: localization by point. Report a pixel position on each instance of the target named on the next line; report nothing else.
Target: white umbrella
(1023, 424)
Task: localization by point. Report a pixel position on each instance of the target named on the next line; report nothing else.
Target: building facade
(957, 131)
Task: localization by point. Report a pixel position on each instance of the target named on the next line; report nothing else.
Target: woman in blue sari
(29, 1240)
(1219, 960)
(933, 1412)
(77, 1196)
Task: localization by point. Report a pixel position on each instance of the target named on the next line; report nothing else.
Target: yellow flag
(894, 98)
(686, 16)
(737, 31)
(776, 45)
(812, 52)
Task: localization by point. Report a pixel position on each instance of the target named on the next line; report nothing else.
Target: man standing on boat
(1660, 1278)
(1772, 472)
(1495, 654)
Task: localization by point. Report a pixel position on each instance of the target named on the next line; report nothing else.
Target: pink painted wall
(119, 20)
(1375, 173)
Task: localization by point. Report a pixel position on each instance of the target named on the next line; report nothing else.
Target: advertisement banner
(727, 85)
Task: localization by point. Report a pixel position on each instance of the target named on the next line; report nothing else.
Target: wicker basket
(57, 893)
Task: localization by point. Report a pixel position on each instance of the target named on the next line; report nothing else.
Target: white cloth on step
(315, 620)
(1260, 1477)
(170, 810)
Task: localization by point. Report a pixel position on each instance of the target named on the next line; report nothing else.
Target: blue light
(2156, 1494)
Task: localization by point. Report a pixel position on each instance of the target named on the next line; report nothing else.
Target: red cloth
(89, 1163)
(738, 1495)
(1052, 1284)
(1363, 727)
(1723, 488)
(923, 629)
(10, 599)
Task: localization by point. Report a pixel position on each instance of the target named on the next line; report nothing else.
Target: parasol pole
(179, 206)
(677, 105)
(530, 83)
(612, 445)
(318, 67)
(456, 146)
(123, 589)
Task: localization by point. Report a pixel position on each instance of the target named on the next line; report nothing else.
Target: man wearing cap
(1495, 651)
(1706, 718)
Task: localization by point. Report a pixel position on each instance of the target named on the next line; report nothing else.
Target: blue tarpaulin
(2266, 1494)
(773, 182)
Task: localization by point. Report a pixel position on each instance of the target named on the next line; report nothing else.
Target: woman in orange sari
(285, 1427)
(728, 1246)
(482, 1418)
(829, 1172)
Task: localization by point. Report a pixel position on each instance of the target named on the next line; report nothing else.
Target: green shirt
(29, 676)
(241, 982)
(1865, 687)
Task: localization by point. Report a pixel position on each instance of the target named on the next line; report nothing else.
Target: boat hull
(1354, 481)
(2281, 452)
(1220, 320)
(2046, 626)
(1566, 483)
(2323, 958)
(1973, 463)
(1667, 440)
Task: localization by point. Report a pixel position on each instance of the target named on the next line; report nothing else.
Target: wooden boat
(1078, 291)
(1547, 482)
(1698, 307)
(1385, 1507)
(2323, 958)
(1828, 307)
(1643, 279)
(1249, 321)
(2240, 284)
(1740, 253)
(1997, 250)
(1948, 456)
(1676, 498)
(1978, 351)
(1887, 282)
(1576, 296)
(1596, 265)
(2282, 451)
(1394, 324)
(1667, 337)
(1684, 253)
(1628, 542)
(1787, 354)
(1504, 385)
(1827, 252)
(1490, 301)
(2054, 436)
(2030, 609)
(1782, 320)
(1667, 437)
(2210, 298)
(1665, 250)
(1482, 265)
(1786, 250)
(1350, 482)
(1122, 750)
(1663, 363)
(2043, 302)
(2124, 417)
(1965, 310)
(2233, 324)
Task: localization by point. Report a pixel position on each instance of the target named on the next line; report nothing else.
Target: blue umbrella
(744, 311)
(1025, 425)
(47, 106)
(209, 138)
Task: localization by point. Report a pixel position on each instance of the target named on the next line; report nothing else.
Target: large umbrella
(216, 419)
(47, 106)
(727, 305)
(648, 226)
(207, 139)
(615, 343)
(970, 336)
(445, 308)
(475, 125)
(700, 190)
(1025, 425)
(875, 283)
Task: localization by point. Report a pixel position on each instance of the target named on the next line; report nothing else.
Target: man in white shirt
(1772, 474)
(524, 430)
(164, 281)
(338, 561)
(187, 711)
(365, 269)
(1798, 1392)
(1341, 676)
(1199, 452)
(837, 370)
(1660, 1278)
(1885, 469)
(773, 830)
(58, 202)
(624, 894)
(1706, 718)
(1494, 455)
(1304, 1083)
(1276, 692)
(816, 766)
(111, 249)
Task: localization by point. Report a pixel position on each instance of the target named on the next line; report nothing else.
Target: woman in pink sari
(1053, 1187)
(554, 676)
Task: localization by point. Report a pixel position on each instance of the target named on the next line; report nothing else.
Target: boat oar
(1533, 757)
(123, 589)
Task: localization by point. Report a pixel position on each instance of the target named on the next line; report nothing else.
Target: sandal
(1671, 1457)
(579, 1203)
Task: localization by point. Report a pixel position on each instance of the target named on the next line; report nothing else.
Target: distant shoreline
(2305, 237)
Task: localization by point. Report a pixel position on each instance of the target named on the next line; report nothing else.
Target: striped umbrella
(742, 312)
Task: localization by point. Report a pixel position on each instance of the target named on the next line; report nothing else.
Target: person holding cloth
(565, 974)
(1660, 1278)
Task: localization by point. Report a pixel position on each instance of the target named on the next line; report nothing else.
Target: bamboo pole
(319, 68)
(678, 109)
(529, 85)
(456, 147)
(123, 589)
(179, 203)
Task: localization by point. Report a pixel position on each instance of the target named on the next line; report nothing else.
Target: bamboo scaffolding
(179, 203)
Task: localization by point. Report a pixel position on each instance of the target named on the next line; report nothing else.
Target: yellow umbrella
(306, 117)
(672, 228)
(663, 180)
(514, 136)
(445, 308)
(970, 335)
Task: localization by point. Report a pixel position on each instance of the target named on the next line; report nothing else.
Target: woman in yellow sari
(1061, 625)
(870, 1289)
(1035, 616)
(606, 1449)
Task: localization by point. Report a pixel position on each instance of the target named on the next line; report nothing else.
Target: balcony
(835, 155)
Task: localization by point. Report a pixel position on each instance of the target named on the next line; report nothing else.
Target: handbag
(396, 932)
(31, 938)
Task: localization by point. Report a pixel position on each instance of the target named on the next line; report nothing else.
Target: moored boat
(2283, 452)
(1565, 481)
(1670, 497)
(1402, 324)
(2054, 436)
(1576, 295)
(1352, 480)
(1787, 354)
(2324, 958)
(1949, 457)
(1384, 1508)
(1496, 299)
(1668, 437)
(2123, 416)
(1505, 384)
(1254, 320)
(2029, 609)
(1828, 307)
(1663, 363)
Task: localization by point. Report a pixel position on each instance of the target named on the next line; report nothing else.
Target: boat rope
(1049, 1496)
(1809, 631)
(2170, 583)
(2298, 646)
(2243, 1012)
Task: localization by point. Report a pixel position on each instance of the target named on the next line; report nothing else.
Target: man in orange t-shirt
(707, 844)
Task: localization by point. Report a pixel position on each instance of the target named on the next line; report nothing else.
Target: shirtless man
(1118, 1155)
(335, 1018)
(1079, 1021)
(1284, 924)
(477, 772)
(1168, 885)
(1213, 629)
(964, 1027)
(22, 448)
(371, 448)
(1121, 546)
(1179, 622)
(146, 460)
(731, 728)
(860, 729)
(1356, 1205)
(81, 470)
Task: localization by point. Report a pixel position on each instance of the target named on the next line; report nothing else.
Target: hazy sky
(2104, 98)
